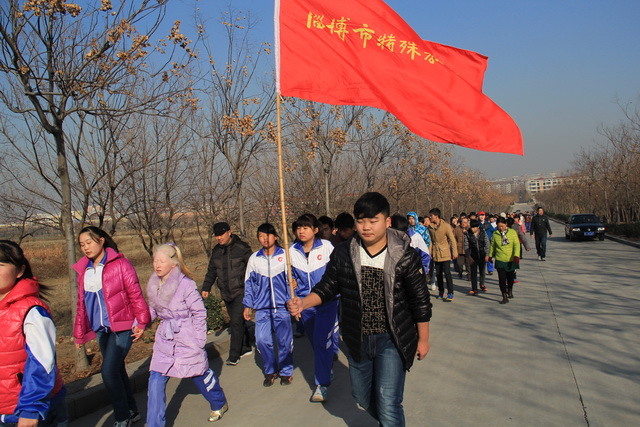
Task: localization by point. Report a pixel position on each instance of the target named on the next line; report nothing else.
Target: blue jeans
(114, 347)
(377, 380)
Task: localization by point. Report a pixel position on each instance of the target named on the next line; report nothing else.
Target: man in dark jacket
(385, 308)
(228, 264)
(539, 227)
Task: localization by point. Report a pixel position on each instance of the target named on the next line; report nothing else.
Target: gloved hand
(516, 259)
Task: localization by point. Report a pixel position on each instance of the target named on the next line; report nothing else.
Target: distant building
(507, 186)
(537, 185)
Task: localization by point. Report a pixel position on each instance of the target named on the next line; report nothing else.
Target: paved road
(564, 352)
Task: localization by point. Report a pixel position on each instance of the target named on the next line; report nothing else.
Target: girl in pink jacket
(178, 350)
(112, 308)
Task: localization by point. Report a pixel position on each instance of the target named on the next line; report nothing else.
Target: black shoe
(269, 379)
(134, 416)
(505, 299)
(232, 362)
(286, 379)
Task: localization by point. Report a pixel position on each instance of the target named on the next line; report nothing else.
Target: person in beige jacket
(443, 250)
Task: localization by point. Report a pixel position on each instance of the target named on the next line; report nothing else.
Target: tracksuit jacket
(309, 271)
(418, 243)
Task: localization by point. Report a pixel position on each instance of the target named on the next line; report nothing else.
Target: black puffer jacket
(406, 297)
(228, 264)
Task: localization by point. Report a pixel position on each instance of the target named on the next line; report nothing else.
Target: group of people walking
(372, 271)
(111, 308)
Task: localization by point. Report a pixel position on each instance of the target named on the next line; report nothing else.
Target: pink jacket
(122, 295)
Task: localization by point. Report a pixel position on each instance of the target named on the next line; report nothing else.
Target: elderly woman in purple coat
(179, 344)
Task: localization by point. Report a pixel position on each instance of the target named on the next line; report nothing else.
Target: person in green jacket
(505, 247)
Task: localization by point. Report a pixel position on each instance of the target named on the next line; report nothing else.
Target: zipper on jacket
(273, 297)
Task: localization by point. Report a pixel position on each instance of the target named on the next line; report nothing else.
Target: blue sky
(558, 67)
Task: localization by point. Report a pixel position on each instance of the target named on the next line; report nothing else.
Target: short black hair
(399, 222)
(267, 228)
(510, 221)
(436, 212)
(305, 220)
(325, 220)
(501, 220)
(420, 219)
(371, 204)
(345, 220)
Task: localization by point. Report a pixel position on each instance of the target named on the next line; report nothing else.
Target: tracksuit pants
(319, 322)
(157, 404)
(274, 340)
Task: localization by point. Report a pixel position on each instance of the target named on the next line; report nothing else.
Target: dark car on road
(583, 226)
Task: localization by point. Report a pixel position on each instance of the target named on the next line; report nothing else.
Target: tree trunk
(241, 211)
(327, 206)
(66, 219)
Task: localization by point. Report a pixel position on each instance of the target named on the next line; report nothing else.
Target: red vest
(13, 310)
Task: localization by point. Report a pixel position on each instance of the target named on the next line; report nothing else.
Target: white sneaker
(433, 286)
(320, 395)
(216, 415)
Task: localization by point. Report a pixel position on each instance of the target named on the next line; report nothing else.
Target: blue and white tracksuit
(420, 229)
(266, 290)
(417, 242)
(320, 323)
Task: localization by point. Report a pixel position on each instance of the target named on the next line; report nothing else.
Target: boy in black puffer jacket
(385, 308)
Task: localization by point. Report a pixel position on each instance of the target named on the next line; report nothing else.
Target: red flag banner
(360, 52)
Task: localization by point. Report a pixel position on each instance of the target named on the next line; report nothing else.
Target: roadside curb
(624, 242)
(88, 395)
(607, 236)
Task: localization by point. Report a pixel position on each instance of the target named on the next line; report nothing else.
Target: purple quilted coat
(179, 347)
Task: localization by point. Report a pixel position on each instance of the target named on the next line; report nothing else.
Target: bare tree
(158, 187)
(376, 143)
(326, 130)
(59, 60)
(238, 108)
